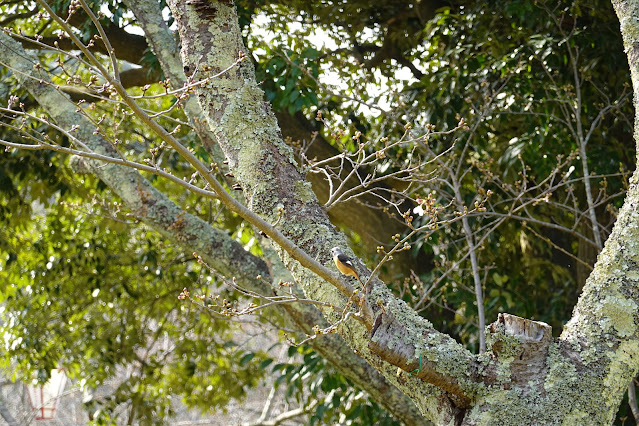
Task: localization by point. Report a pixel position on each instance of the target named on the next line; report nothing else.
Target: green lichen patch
(618, 315)
(304, 191)
(621, 369)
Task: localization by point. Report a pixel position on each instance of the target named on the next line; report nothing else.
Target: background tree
(497, 138)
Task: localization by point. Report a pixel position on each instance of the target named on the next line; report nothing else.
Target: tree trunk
(526, 376)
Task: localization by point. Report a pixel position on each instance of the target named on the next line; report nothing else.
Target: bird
(344, 263)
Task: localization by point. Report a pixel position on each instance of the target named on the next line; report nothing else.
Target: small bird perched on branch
(344, 263)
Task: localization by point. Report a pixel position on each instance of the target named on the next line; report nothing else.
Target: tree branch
(247, 132)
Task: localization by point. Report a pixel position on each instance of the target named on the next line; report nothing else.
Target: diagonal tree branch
(264, 165)
(219, 251)
(164, 46)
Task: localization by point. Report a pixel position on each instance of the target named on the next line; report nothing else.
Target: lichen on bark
(584, 372)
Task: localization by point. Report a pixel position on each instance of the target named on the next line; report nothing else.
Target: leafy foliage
(93, 290)
(98, 295)
(290, 78)
(311, 380)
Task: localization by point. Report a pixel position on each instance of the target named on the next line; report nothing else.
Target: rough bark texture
(166, 49)
(304, 317)
(265, 166)
(194, 235)
(365, 214)
(526, 377)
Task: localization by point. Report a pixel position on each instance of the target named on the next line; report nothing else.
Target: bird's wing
(344, 259)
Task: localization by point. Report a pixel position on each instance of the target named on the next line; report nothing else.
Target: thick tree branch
(373, 225)
(266, 168)
(219, 251)
(164, 46)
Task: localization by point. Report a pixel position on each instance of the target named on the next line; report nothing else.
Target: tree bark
(364, 215)
(526, 376)
(222, 253)
(373, 225)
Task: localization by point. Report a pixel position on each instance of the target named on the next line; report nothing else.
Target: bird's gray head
(336, 251)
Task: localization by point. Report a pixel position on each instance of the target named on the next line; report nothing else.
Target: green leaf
(246, 358)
